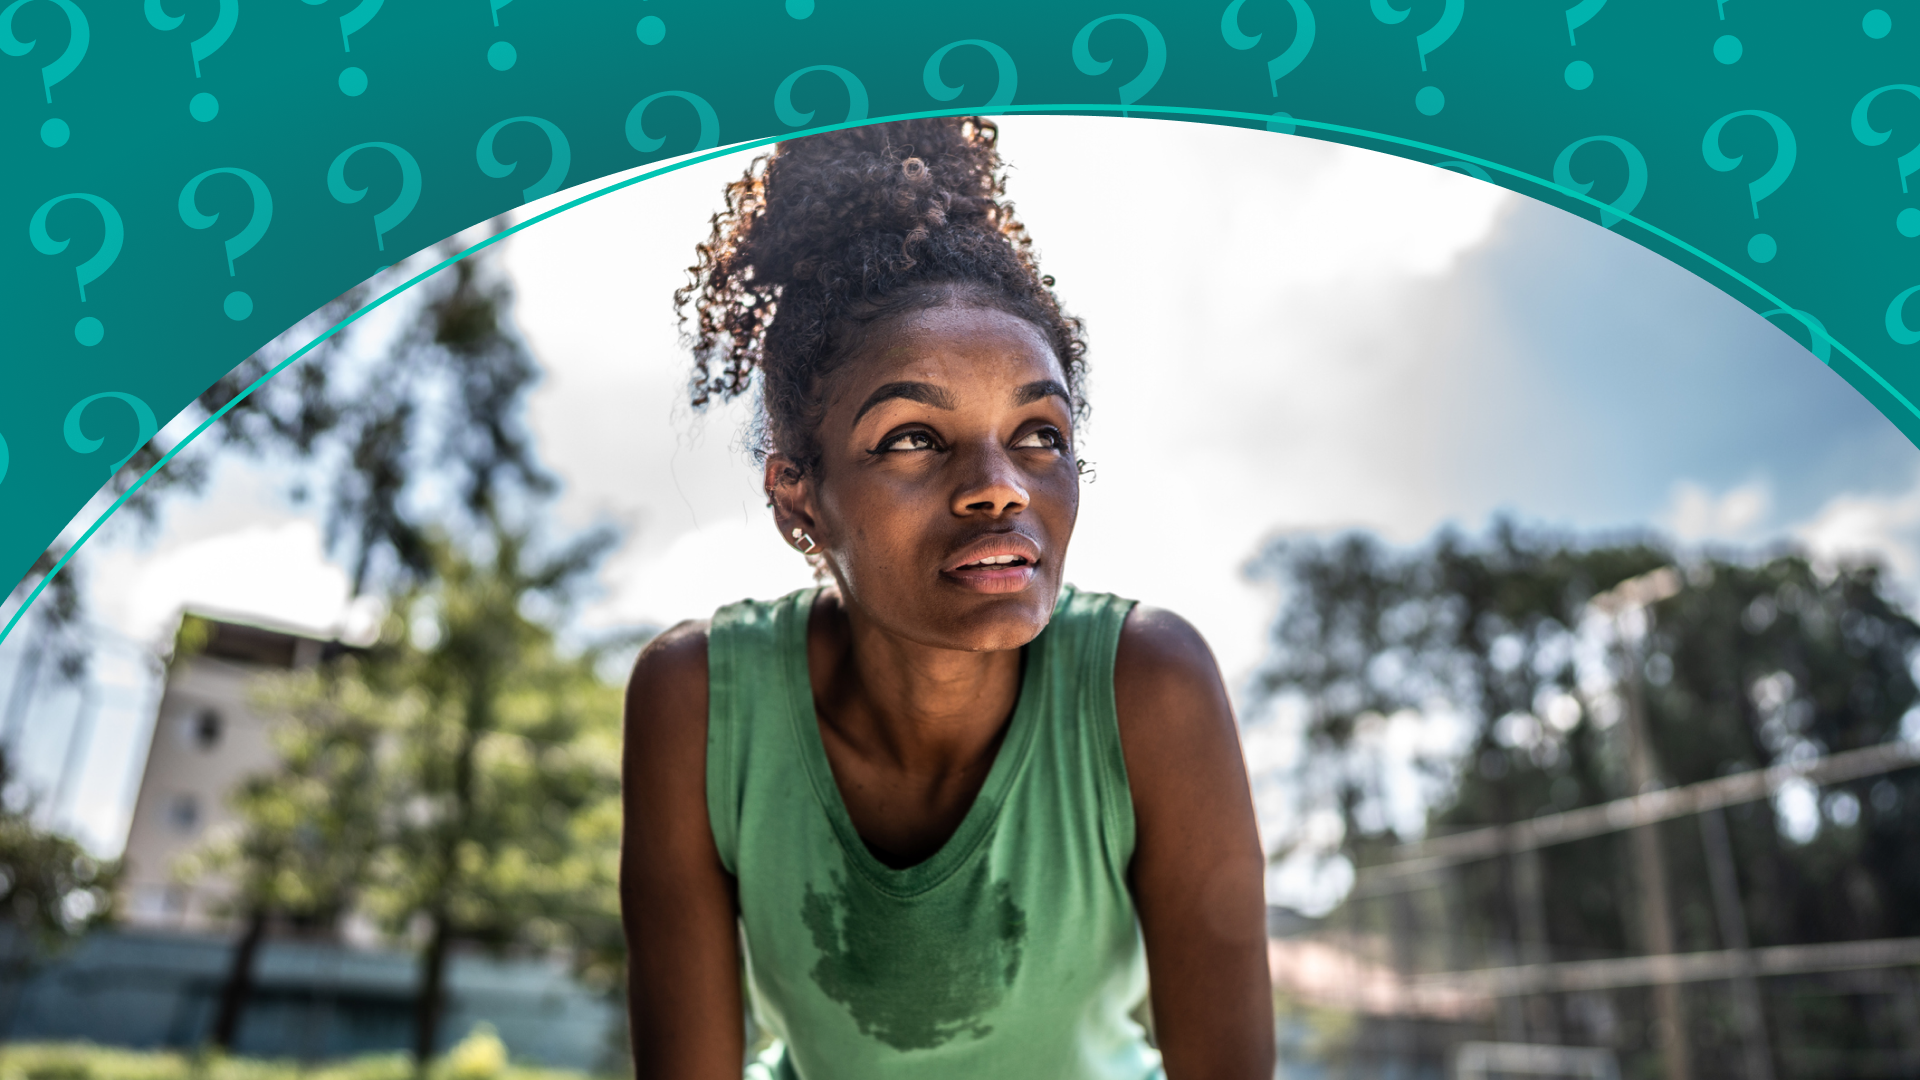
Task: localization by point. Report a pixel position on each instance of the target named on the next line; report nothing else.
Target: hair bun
(832, 227)
(830, 199)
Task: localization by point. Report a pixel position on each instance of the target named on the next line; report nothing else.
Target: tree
(438, 410)
(1480, 631)
(483, 766)
(51, 894)
(511, 744)
(310, 829)
(1753, 660)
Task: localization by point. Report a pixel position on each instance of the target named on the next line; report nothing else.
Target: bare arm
(676, 901)
(1198, 872)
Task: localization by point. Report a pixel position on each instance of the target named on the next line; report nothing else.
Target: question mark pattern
(1282, 65)
(501, 55)
(1135, 88)
(353, 80)
(80, 443)
(1579, 74)
(357, 105)
(89, 331)
(1429, 100)
(1003, 90)
(1761, 247)
(556, 174)
(54, 131)
(856, 97)
(237, 305)
(398, 210)
(202, 106)
(1907, 221)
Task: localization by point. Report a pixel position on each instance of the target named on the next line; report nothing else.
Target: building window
(183, 812)
(206, 729)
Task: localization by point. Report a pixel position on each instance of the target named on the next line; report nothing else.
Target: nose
(992, 484)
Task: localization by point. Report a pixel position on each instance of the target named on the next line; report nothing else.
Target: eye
(1046, 438)
(908, 440)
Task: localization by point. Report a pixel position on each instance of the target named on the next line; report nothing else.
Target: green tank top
(1011, 952)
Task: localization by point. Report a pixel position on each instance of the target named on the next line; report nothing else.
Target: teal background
(174, 112)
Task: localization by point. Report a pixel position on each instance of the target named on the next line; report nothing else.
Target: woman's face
(947, 488)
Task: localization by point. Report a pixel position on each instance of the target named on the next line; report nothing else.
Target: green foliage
(461, 772)
(51, 890)
(1480, 631)
(1753, 661)
(502, 760)
(1748, 664)
(82, 1061)
(1756, 665)
(49, 886)
(467, 781)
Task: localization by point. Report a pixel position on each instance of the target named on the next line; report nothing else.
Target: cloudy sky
(1286, 337)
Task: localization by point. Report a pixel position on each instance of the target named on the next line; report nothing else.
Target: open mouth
(1000, 573)
(993, 562)
(1004, 561)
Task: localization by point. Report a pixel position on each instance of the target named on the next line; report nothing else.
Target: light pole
(1656, 910)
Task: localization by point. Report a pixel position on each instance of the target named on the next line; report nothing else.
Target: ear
(792, 500)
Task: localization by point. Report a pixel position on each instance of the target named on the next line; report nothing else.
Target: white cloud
(1695, 514)
(271, 571)
(1855, 526)
(700, 570)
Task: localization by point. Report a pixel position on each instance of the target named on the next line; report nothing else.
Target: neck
(922, 709)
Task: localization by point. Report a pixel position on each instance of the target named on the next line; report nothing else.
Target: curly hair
(834, 231)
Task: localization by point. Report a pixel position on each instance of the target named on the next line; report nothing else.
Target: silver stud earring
(799, 535)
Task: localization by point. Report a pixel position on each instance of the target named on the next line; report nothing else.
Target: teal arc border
(1131, 111)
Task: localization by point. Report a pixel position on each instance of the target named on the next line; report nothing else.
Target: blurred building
(207, 738)
(318, 992)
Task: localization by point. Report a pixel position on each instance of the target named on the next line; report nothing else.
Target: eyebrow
(1043, 388)
(924, 393)
(939, 398)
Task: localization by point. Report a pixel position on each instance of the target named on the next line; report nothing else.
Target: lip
(997, 579)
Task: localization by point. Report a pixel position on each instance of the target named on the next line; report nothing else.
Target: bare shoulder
(676, 899)
(1166, 683)
(675, 655)
(666, 707)
(1177, 732)
(1156, 646)
(1197, 869)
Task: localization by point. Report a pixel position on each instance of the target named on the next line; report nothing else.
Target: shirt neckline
(979, 819)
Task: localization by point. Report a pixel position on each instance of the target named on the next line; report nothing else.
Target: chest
(1011, 945)
(1015, 938)
(903, 815)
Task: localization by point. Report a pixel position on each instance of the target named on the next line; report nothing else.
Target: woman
(946, 811)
